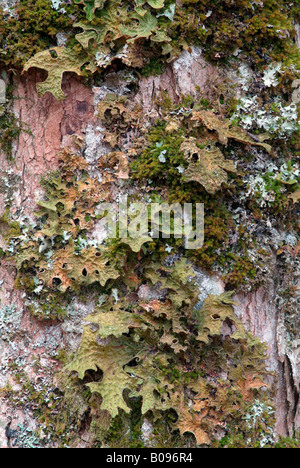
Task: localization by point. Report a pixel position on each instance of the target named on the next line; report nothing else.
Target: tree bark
(53, 126)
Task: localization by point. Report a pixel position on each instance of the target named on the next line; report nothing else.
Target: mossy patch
(31, 28)
(190, 369)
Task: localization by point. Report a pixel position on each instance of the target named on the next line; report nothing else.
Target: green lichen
(190, 369)
(111, 32)
(10, 126)
(170, 159)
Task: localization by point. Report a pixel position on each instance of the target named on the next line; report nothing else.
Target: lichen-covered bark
(32, 351)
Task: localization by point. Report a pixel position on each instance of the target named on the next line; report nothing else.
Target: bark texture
(56, 125)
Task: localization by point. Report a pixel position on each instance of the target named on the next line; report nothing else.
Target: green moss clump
(155, 67)
(161, 164)
(288, 442)
(9, 131)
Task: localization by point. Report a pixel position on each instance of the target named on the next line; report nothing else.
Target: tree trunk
(29, 346)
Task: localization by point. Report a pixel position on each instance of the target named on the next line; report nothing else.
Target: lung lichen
(186, 367)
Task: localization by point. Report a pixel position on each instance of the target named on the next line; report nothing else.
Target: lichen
(191, 370)
(10, 125)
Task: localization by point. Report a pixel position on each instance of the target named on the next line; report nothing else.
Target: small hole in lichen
(56, 282)
(84, 272)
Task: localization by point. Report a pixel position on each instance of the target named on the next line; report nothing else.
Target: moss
(9, 228)
(150, 165)
(262, 30)
(118, 435)
(62, 356)
(32, 28)
(155, 67)
(25, 282)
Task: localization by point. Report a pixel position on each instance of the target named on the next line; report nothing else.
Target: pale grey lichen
(170, 12)
(244, 75)
(162, 156)
(276, 118)
(56, 4)
(147, 432)
(27, 438)
(61, 39)
(2, 92)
